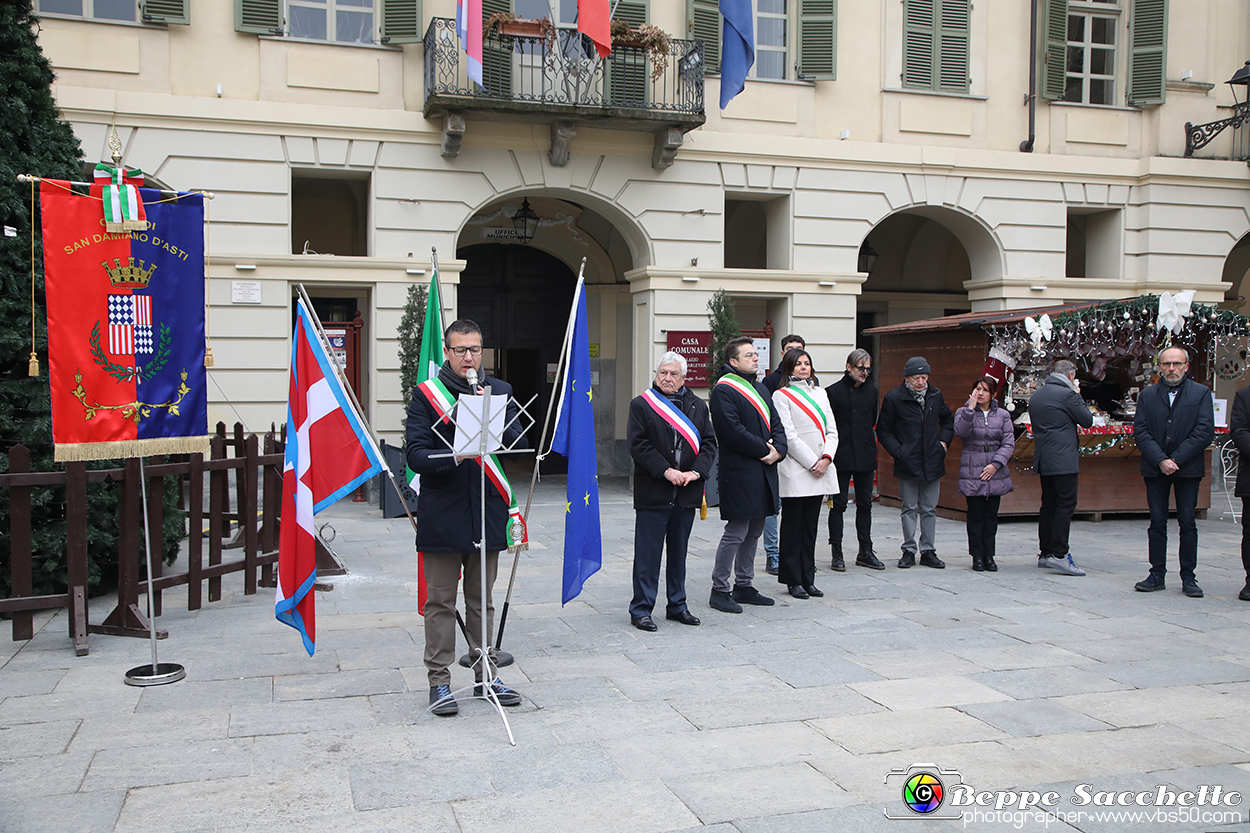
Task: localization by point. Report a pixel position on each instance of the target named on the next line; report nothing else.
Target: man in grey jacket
(1055, 410)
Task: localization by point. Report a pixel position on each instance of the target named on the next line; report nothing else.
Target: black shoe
(978, 564)
(1191, 589)
(990, 566)
(1150, 584)
(723, 602)
(837, 564)
(643, 623)
(685, 617)
(797, 591)
(813, 590)
(507, 697)
(1244, 595)
(908, 560)
(869, 559)
(772, 565)
(748, 595)
(929, 558)
(441, 701)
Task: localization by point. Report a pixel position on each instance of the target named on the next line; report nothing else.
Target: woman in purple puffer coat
(983, 476)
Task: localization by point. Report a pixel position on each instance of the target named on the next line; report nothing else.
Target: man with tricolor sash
(449, 511)
(751, 441)
(673, 446)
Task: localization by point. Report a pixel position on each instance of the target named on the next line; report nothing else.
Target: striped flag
(329, 454)
(469, 27)
(428, 363)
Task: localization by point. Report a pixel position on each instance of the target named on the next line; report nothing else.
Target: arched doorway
(520, 297)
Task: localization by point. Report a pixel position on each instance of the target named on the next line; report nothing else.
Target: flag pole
(562, 374)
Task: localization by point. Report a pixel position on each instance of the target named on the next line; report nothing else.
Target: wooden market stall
(958, 346)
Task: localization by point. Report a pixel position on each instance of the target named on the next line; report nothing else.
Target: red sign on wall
(693, 346)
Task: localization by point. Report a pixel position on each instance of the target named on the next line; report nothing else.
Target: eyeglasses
(459, 352)
(863, 368)
(1172, 364)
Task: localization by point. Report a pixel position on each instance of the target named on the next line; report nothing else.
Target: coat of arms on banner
(125, 326)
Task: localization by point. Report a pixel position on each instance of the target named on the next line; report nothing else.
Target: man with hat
(915, 428)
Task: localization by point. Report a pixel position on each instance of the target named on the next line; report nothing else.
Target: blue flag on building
(575, 440)
(737, 52)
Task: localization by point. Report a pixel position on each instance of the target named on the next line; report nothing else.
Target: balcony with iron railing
(558, 78)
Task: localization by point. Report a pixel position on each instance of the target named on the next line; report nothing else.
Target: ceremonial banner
(125, 326)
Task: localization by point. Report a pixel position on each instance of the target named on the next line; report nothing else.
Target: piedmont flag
(737, 51)
(328, 455)
(428, 363)
(594, 21)
(575, 440)
(469, 27)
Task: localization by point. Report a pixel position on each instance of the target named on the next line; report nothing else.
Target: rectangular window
(341, 21)
(772, 24)
(92, 9)
(935, 44)
(1091, 60)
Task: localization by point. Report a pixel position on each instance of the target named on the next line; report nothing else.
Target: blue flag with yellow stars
(575, 440)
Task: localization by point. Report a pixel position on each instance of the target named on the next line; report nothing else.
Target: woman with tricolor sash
(806, 474)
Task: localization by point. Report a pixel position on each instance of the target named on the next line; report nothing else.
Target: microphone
(471, 378)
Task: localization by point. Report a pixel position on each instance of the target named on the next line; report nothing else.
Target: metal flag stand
(156, 673)
(486, 445)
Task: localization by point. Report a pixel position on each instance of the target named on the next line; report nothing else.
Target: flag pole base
(502, 660)
(162, 673)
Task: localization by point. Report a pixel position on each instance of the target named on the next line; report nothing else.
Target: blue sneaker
(1061, 564)
(507, 697)
(773, 565)
(441, 701)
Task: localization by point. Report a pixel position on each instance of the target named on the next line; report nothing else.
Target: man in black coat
(672, 460)
(1175, 423)
(772, 382)
(1239, 430)
(449, 513)
(751, 441)
(853, 400)
(915, 428)
(1055, 410)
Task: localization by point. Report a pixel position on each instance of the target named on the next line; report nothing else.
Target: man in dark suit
(1175, 423)
(751, 441)
(853, 400)
(673, 446)
(1239, 430)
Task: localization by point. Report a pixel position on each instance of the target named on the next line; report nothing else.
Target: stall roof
(977, 320)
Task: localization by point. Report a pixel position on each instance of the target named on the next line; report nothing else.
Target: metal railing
(565, 71)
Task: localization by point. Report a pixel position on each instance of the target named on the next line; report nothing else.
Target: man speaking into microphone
(449, 511)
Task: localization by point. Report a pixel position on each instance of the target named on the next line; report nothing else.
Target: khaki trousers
(442, 578)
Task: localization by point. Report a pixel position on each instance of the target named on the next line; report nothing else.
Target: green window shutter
(1054, 29)
(705, 25)
(918, 38)
(165, 11)
(496, 55)
(260, 17)
(628, 70)
(818, 39)
(401, 21)
(952, 40)
(632, 13)
(1148, 49)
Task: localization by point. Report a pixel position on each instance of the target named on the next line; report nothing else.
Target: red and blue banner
(329, 454)
(125, 326)
(469, 27)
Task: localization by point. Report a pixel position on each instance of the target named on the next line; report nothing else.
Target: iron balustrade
(564, 74)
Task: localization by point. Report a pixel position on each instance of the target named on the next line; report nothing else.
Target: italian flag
(430, 360)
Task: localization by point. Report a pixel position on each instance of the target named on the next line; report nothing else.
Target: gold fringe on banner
(123, 449)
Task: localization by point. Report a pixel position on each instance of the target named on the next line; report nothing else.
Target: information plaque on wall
(693, 346)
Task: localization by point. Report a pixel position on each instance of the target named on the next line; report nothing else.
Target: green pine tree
(34, 140)
(411, 326)
(723, 322)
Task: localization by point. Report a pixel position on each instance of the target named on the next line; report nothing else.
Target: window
(148, 11)
(334, 21)
(757, 232)
(1090, 73)
(1092, 55)
(342, 21)
(935, 44)
(329, 215)
(815, 33)
(1094, 243)
(771, 24)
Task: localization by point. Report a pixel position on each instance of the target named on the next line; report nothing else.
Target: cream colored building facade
(302, 138)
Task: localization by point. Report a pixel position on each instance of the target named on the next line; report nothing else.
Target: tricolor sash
(748, 391)
(805, 403)
(442, 401)
(123, 207)
(670, 413)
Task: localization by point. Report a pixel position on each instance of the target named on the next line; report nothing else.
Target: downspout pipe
(1030, 98)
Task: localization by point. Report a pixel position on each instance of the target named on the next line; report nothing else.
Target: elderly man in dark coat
(449, 513)
(1239, 430)
(751, 441)
(1055, 410)
(915, 428)
(1174, 424)
(853, 400)
(673, 446)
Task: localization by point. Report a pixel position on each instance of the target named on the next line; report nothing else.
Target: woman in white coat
(807, 473)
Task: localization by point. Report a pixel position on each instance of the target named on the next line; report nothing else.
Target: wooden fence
(252, 526)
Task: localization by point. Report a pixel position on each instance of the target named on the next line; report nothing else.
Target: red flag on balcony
(593, 21)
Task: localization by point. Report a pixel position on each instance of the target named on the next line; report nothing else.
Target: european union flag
(575, 440)
(737, 52)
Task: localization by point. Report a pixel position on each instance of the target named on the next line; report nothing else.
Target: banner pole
(156, 673)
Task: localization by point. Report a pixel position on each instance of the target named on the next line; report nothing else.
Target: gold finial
(115, 145)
